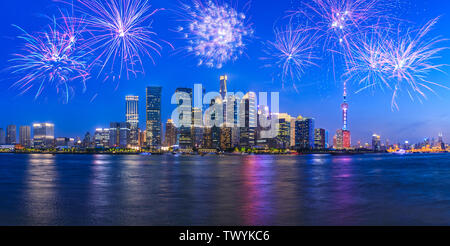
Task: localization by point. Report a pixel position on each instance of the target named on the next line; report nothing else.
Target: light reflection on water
(41, 192)
(227, 190)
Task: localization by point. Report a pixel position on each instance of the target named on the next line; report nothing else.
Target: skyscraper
(11, 135)
(171, 134)
(101, 138)
(43, 135)
(2, 136)
(342, 140)
(132, 117)
(376, 142)
(225, 138)
(184, 131)
(304, 133)
(320, 138)
(248, 120)
(119, 134)
(197, 114)
(25, 136)
(284, 131)
(154, 123)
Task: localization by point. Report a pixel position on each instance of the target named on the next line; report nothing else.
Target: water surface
(230, 190)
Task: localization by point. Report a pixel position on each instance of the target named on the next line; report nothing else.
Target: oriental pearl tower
(346, 136)
(344, 107)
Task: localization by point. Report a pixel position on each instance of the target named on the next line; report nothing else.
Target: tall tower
(153, 111)
(132, 117)
(342, 139)
(344, 107)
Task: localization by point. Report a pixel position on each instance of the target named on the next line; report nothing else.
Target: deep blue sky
(319, 95)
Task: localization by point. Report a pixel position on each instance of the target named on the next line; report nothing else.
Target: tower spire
(344, 107)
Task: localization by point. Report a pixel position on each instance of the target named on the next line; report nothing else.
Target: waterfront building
(43, 135)
(248, 120)
(11, 135)
(185, 120)
(292, 132)
(171, 134)
(2, 137)
(102, 138)
(440, 143)
(25, 136)
(132, 117)
(376, 142)
(320, 138)
(154, 122)
(283, 140)
(304, 133)
(225, 138)
(207, 138)
(342, 140)
(119, 134)
(142, 138)
(64, 143)
(87, 140)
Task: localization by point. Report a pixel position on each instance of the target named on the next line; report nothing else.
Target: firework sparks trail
(120, 33)
(51, 58)
(291, 52)
(215, 32)
(339, 21)
(402, 63)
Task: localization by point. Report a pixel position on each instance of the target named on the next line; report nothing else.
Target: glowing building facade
(25, 136)
(154, 123)
(11, 135)
(43, 135)
(132, 118)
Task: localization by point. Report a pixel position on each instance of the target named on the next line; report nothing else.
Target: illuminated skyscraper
(197, 114)
(184, 130)
(44, 135)
(119, 134)
(101, 138)
(25, 136)
(171, 134)
(284, 131)
(2, 136)
(11, 135)
(132, 117)
(304, 133)
(320, 138)
(154, 123)
(225, 138)
(376, 142)
(248, 120)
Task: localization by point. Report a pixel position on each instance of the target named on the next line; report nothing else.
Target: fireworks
(339, 21)
(215, 32)
(51, 58)
(291, 52)
(120, 33)
(402, 63)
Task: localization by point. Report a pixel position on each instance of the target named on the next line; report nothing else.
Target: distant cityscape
(294, 134)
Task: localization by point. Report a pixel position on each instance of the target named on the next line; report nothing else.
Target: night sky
(319, 95)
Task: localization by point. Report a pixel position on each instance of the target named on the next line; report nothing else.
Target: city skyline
(319, 94)
(306, 135)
